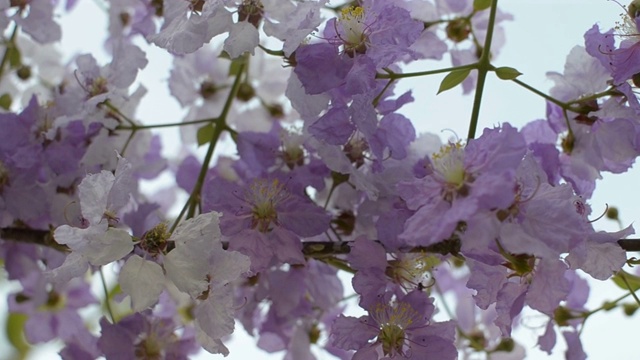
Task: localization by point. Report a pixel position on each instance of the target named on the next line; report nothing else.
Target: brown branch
(32, 236)
(313, 249)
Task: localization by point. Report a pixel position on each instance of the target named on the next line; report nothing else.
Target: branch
(313, 249)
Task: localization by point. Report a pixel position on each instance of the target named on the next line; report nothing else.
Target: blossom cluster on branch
(328, 177)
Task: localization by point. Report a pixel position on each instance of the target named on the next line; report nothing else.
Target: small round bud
(125, 18)
(629, 309)
(562, 315)
(345, 222)
(5, 101)
(567, 143)
(208, 89)
(24, 72)
(245, 92)
(506, 344)
(314, 334)
(275, 110)
(458, 29)
(612, 213)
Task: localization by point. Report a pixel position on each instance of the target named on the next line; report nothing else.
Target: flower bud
(458, 30)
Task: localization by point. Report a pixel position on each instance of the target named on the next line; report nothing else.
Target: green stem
(111, 107)
(126, 144)
(279, 53)
(395, 76)
(595, 96)
(9, 46)
(376, 100)
(219, 125)
(633, 292)
(156, 126)
(540, 93)
(107, 303)
(483, 66)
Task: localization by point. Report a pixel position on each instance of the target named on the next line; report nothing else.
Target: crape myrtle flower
(462, 181)
(541, 284)
(303, 301)
(52, 310)
(479, 333)
(396, 327)
(200, 267)
(189, 24)
(360, 41)
(128, 18)
(101, 83)
(623, 61)
(266, 217)
(378, 274)
(34, 17)
(98, 241)
(600, 46)
(146, 336)
(464, 34)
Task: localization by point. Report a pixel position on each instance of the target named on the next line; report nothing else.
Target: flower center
(410, 270)
(393, 320)
(264, 195)
(351, 21)
(448, 163)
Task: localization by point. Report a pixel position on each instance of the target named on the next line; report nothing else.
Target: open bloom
(401, 329)
(462, 181)
(266, 219)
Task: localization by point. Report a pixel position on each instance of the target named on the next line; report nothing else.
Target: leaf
(13, 54)
(452, 79)
(507, 73)
(205, 134)
(479, 5)
(632, 280)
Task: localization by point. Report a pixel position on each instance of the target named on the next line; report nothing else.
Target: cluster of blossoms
(327, 177)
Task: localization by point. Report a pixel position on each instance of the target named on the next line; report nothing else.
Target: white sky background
(538, 40)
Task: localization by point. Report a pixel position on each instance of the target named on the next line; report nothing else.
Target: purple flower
(461, 182)
(400, 329)
(189, 25)
(263, 213)
(141, 335)
(53, 311)
(360, 41)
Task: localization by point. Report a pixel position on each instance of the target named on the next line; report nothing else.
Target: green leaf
(452, 79)
(13, 54)
(205, 134)
(5, 101)
(507, 73)
(633, 280)
(479, 5)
